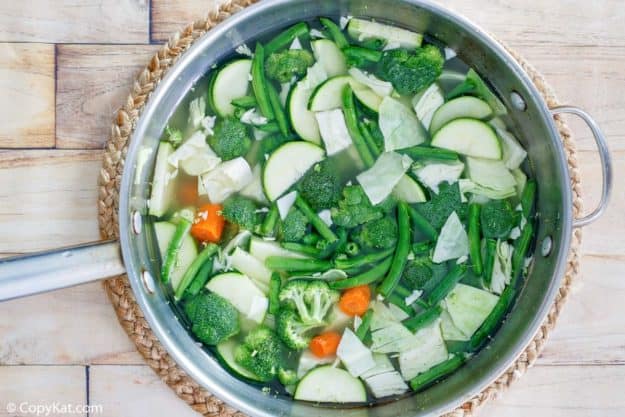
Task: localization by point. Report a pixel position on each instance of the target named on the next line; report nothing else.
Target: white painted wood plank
(70, 21)
(24, 388)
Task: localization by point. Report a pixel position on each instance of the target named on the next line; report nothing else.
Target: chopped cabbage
(379, 180)
(333, 130)
(433, 174)
(399, 125)
(428, 350)
(468, 307)
(452, 242)
(194, 156)
(226, 179)
(356, 357)
(381, 88)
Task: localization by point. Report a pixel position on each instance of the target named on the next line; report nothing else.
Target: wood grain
(170, 16)
(27, 91)
(25, 386)
(124, 390)
(93, 81)
(70, 21)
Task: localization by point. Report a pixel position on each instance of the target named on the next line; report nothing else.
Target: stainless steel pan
(532, 121)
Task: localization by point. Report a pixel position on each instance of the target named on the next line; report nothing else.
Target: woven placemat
(120, 293)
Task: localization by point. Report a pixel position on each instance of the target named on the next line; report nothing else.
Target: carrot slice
(355, 301)
(208, 224)
(325, 344)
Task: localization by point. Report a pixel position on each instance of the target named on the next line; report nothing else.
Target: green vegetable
(213, 318)
(410, 71)
(494, 318)
(425, 153)
(241, 211)
(292, 331)
(439, 208)
(308, 250)
(286, 38)
(528, 198)
(370, 140)
(182, 229)
(421, 224)
(489, 259)
(174, 136)
(378, 234)
(401, 251)
(400, 302)
(446, 285)
(259, 83)
(363, 260)
(371, 276)
(435, 373)
(294, 226)
(423, 319)
(351, 121)
(193, 269)
(362, 330)
(231, 138)
(354, 208)
(269, 223)
(323, 229)
(274, 293)
(281, 263)
(352, 248)
(520, 250)
(272, 142)
(284, 65)
(287, 376)
(269, 127)
(421, 248)
(320, 186)
(357, 56)
(497, 218)
(474, 85)
(278, 111)
(418, 272)
(245, 102)
(201, 278)
(475, 243)
(261, 353)
(335, 32)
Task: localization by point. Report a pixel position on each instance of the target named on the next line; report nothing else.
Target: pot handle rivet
(606, 162)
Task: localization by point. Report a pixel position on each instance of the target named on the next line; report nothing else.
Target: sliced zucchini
(469, 137)
(287, 165)
(330, 385)
(461, 107)
(188, 250)
(162, 182)
(225, 351)
(231, 82)
(242, 293)
(409, 190)
(302, 119)
(361, 30)
(327, 96)
(483, 90)
(245, 263)
(330, 56)
(261, 249)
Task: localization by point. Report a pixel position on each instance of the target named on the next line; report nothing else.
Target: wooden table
(66, 65)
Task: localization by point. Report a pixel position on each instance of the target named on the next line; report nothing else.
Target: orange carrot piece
(208, 224)
(325, 344)
(355, 301)
(187, 192)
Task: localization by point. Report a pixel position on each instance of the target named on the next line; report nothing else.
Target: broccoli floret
(418, 272)
(378, 234)
(294, 226)
(174, 136)
(441, 205)
(242, 211)
(320, 187)
(295, 334)
(213, 318)
(411, 71)
(272, 142)
(261, 353)
(497, 219)
(231, 138)
(282, 66)
(287, 376)
(311, 299)
(354, 208)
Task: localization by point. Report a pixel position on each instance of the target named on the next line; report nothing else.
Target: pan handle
(59, 268)
(606, 162)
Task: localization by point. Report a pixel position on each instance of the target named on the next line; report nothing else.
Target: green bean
(171, 256)
(435, 373)
(358, 53)
(335, 32)
(475, 243)
(274, 293)
(362, 330)
(278, 111)
(397, 300)
(285, 38)
(352, 248)
(494, 318)
(269, 223)
(528, 198)
(259, 83)
(193, 269)
(323, 229)
(446, 285)
(201, 278)
(351, 120)
(245, 102)
(401, 251)
(311, 239)
(421, 248)
(270, 127)
(458, 346)
(422, 319)
(421, 224)
(369, 140)
(419, 152)
(373, 43)
(489, 259)
(285, 263)
(369, 277)
(402, 291)
(303, 249)
(520, 251)
(362, 260)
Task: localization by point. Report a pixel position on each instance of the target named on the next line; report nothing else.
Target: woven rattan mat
(120, 293)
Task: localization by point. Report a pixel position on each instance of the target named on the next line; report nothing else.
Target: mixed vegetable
(344, 216)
